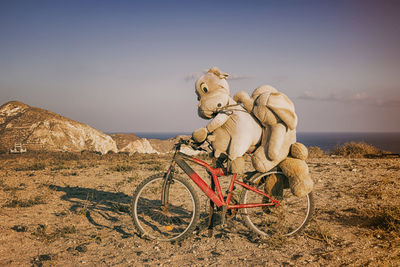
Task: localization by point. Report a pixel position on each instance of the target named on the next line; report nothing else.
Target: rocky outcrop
(123, 139)
(139, 146)
(132, 144)
(39, 129)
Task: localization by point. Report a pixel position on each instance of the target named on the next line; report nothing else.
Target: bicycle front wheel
(287, 219)
(171, 222)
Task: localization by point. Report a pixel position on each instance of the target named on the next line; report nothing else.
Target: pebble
(81, 248)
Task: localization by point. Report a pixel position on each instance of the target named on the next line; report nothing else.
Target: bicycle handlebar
(190, 142)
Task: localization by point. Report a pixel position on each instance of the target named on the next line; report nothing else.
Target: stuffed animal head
(213, 80)
(211, 103)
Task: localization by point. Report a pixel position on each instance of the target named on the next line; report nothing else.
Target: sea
(326, 141)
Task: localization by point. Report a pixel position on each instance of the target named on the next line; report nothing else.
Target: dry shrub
(35, 167)
(42, 234)
(354, 149)
(385, 218)
(24, 203)
(122, 168)
(67, 156)
(315, 152)
(320, 233)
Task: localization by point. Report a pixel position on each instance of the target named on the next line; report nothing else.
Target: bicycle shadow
(96, 205)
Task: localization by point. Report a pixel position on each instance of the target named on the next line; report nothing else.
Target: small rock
(81, 248)
(44, 257)
(19, 228)
(215, 253)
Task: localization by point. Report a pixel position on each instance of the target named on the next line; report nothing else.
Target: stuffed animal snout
(212, 102)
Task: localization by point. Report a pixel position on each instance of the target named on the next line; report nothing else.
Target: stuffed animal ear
(283, 107)
(217, 72)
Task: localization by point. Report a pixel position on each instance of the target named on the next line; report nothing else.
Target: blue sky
(129, 66)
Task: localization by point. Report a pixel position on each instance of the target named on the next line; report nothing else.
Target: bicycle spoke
(161, 222)
(285, 219)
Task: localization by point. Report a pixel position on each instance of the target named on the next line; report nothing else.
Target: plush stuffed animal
(232, 130)
(276, 114)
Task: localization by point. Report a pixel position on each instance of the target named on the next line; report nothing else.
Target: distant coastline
(326, 141)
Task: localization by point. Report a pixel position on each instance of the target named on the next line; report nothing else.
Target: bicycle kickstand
(223, 216)
(211, 213)
(211, 220)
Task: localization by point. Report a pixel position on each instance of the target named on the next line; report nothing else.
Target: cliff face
(40, 129)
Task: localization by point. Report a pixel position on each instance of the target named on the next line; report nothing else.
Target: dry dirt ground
(63, 209)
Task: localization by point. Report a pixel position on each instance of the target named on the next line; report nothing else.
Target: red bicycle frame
(217, 196)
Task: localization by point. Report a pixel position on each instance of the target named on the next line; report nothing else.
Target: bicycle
(165, 207)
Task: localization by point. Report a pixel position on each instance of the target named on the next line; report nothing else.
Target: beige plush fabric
(212, 81)
(276, 114)
(233, 131)
(299, 151)
(296, 170)
(275, 183)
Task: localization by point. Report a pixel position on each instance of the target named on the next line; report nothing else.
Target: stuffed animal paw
(236, 166)
(200, 135)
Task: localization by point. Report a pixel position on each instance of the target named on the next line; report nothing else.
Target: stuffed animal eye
(203, 87)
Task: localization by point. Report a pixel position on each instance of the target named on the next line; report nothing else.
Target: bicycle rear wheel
(172, 222)
(287, 219)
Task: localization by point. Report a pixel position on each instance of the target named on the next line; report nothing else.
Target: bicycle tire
(153, 221)
(287, 219)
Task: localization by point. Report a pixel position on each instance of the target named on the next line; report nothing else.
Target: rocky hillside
(132, 144)
(123, 139)
(39, 129)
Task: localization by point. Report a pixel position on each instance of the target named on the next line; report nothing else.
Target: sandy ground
(72, 210)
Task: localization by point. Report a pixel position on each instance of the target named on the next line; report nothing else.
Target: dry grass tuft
(320, 233)
(24, 203)
(122, 168)
(42, 234)
(35, 167)
(385, 218)
(357, 150)
(315, 152)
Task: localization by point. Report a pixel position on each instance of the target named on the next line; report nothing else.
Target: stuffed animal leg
(296, 170)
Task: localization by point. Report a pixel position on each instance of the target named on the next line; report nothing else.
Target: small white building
(18, 148)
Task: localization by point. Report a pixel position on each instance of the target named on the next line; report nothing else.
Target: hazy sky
(127, 66)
